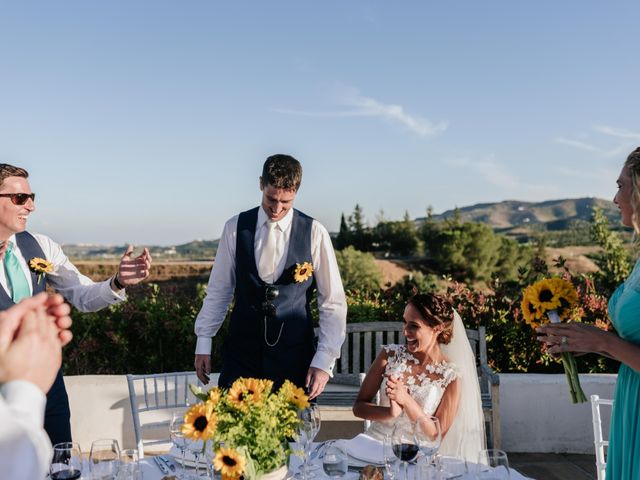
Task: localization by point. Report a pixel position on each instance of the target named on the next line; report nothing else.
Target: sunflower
(200, 422)
(229, 462)
(248, 390)
(295, 395)
(40, 266)
(303, 272)
(214, 396)
(545, 295)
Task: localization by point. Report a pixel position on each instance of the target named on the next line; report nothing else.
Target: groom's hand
(316, 381)
(203, 367)
(132, 271)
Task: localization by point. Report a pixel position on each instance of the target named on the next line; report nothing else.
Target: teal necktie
(15, 276)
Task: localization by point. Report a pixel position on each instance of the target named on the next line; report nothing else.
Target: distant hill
(196, 250)
(511, 217)
(514, 214)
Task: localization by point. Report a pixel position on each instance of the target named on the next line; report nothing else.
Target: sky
(148, 121)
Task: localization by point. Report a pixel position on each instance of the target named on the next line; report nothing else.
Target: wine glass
(334, 460)
(104, 459)
(196, 447)
(428, 436)
(307, 430)
(177, 437)
(492, 464)
(390, 459)
(404, 444)
(66, 463)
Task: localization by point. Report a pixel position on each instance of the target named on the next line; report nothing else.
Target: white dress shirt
(25, 449)
(332, 303)
(82, 292)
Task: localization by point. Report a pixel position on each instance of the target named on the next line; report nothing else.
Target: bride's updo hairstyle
(435, 311)
(633, 166)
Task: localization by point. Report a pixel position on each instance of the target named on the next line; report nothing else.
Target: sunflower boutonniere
(40, 266)
(302, 272)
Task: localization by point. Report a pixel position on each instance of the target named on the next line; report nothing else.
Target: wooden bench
(361, 346)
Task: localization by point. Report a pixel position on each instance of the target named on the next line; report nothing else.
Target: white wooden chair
(599, 442)
(153, 397)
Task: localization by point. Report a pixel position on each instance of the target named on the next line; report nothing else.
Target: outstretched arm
(583, 338)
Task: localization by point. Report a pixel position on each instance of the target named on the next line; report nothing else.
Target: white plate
(365, 449)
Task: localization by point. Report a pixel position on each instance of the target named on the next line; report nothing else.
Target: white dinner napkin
(365, 448)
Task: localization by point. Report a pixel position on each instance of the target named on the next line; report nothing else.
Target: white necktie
(267, 265)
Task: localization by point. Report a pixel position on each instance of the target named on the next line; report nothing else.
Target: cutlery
(168, 462)
(163, 468)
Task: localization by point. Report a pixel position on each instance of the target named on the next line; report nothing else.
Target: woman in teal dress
(623, 459)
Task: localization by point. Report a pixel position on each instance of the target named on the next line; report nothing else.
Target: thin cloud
(616, 132)
(361, 106)
(628, 141)
(490, 170)
(498, 175)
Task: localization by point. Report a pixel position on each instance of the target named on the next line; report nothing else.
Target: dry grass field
(160, 271)
(392, 271)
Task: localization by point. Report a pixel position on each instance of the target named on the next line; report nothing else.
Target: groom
(19, 252)
(261, 260)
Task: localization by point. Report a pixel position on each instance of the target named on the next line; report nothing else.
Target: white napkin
(366, 448)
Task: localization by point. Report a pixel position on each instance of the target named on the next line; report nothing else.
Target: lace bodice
(426, 384)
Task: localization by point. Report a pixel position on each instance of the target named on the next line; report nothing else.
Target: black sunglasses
(270, 293)
(19, 198)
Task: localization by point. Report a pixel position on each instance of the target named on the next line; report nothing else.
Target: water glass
(428, 436)
(450, 467)
(492, 465)
(66, 463)
(129, 465)
(334, 460)
(104, 459)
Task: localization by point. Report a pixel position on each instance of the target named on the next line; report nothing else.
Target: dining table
(152, 471)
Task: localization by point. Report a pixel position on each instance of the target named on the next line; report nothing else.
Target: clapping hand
(397, 390)
(132, 271)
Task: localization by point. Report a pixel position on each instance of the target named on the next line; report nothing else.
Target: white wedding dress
(466, 436)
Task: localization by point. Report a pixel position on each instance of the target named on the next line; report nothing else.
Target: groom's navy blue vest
(57, 414)
(249, 350)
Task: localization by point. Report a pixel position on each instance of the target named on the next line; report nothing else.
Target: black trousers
(57, 416)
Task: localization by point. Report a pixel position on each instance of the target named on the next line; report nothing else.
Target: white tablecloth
(152, 472)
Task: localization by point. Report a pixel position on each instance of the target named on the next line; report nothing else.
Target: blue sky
(148, 121)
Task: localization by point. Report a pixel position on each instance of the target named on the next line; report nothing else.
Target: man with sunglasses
(20, 278)
(261, 262)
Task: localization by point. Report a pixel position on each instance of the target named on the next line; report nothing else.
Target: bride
(433, 374)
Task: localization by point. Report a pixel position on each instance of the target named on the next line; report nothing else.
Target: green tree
(358, 270)
(359, 231)
(614, 263)
(467, 251)
(397, 238)
(343, 239)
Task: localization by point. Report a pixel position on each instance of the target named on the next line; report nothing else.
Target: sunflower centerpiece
(247, 426)
(552, 300)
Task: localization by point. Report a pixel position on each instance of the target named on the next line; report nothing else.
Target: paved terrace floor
(547, 466)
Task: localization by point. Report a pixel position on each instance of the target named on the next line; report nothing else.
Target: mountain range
(511, 217)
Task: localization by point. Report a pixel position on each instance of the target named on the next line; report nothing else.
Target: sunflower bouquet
(552, 300)
(247, 426)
